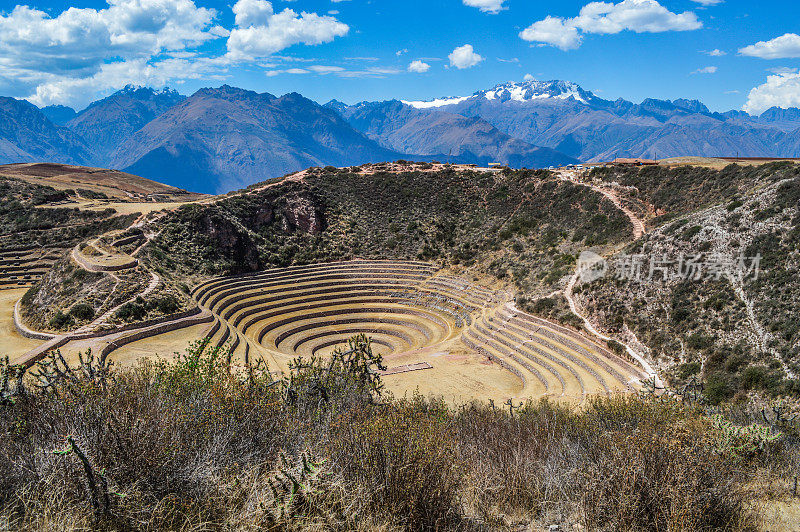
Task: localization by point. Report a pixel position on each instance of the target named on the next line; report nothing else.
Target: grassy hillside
(705, 328)
(524, 227)
(24, 222)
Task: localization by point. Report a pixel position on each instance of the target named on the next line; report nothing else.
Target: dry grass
(191, 446)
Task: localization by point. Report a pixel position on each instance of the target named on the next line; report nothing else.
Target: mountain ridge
(526, 124)
(225, 138)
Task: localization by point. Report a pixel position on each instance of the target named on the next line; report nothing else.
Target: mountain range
(223, 138)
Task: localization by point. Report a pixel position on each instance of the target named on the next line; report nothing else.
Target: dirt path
(639, 229)
(103, 318)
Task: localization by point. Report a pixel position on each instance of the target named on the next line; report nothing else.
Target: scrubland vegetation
(23, 224)
(702, 329)
(197, 445)
(524, 227)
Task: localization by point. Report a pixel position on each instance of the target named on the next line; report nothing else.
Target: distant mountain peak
(228, 92)
(696, 106)
(336, 105)
(537, 90)
(59, 114)
(139, 90)
(523, 91)
(437, 102)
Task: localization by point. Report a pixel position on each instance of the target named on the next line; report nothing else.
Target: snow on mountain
(519, 92)
(439, 102)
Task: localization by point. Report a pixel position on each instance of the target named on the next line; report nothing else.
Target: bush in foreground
(197, 444)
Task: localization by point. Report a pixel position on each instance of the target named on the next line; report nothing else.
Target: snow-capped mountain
(452, 137)
(517, 92)
(563, 116)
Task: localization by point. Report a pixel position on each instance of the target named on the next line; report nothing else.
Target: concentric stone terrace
(405, 307)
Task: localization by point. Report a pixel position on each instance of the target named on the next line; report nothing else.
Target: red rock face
(232, 242)
(263, 217)
(302, 214)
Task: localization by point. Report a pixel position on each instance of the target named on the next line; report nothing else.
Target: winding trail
(639, 229)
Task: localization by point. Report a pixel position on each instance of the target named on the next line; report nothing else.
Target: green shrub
(60, 321)
(719, 387)
(688, 369)
(131, 311)
(82, 311)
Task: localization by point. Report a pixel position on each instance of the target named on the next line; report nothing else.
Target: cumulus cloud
(487, 6)
(418, 66)
(787, 45)
(555, 31)
(73, 56)
(260, 32)
(249, 13)
(79, 39)
(529, 77)
(780, 90)
(706, 70)
(716, 52)
(640, 16)
(62, 89)
(708, 2)
(464, 57)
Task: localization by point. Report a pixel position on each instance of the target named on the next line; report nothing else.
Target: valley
(149, 280)
(373, 266)
(469, 297)
(466, 345)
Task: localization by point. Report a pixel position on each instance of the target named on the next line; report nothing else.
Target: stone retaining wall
(26, 332)
(170, 326)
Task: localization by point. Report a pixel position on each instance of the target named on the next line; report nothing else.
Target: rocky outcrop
(231, 240)
(304, 215)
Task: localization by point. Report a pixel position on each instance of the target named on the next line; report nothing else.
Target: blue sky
(729, 54)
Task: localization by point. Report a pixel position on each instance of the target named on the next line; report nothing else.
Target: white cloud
(780, 90)
(464, 57)
(640, 16)
(249, 13)
(60, 89)
(371, 72)
(783, 70)
(716, 52)
(555, 31)
(706, 70)
(708, 2)
(418, 66)
(487, 6)
(81, 39)
(71, 57)
(785, 46)
(260, 32)
(325, 69)
(529, 77)
(272, 73)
